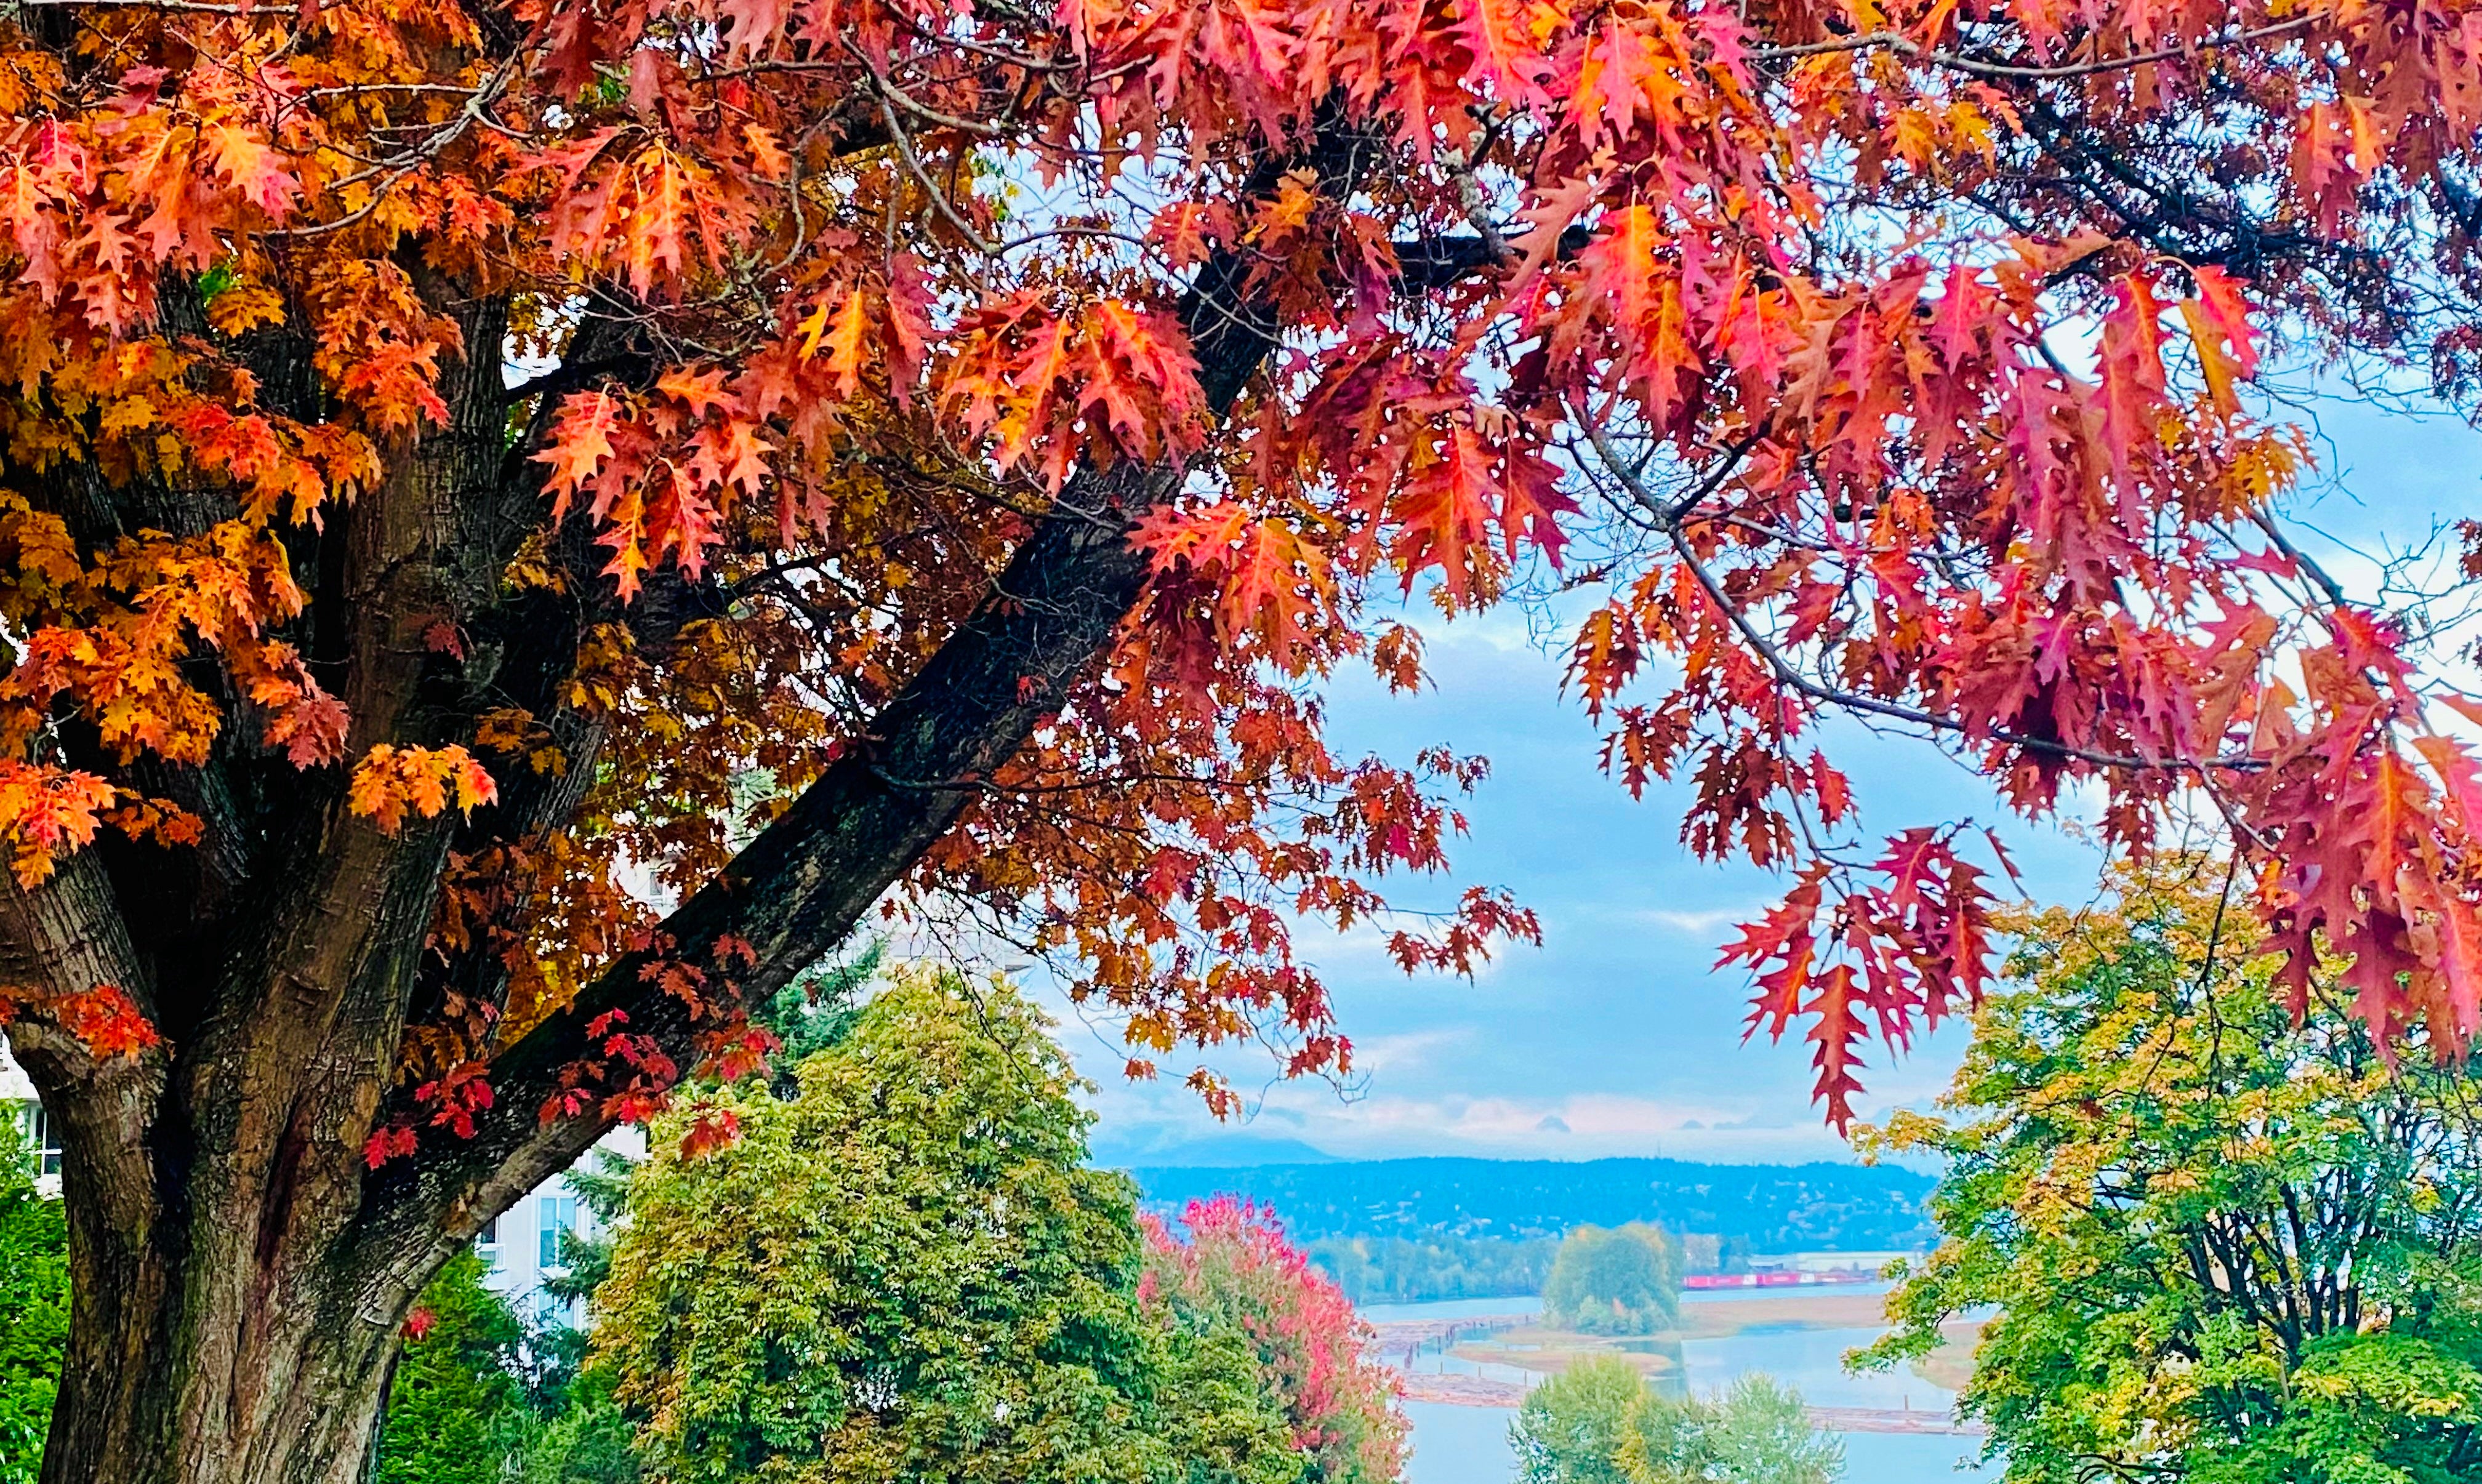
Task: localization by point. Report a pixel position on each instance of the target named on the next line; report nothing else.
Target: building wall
(524, 1242)
(18, 1101)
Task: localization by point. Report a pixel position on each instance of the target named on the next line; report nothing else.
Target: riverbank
(1503, 1354)
(1710, 1320)
(1464, 1378)
(1464, 1391)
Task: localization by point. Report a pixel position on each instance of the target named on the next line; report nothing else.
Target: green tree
(455, 1399)
(1623, 1280)
(1219, 1424)
(1571, 1428)
(907, 1271)
(1756, 1432)
(584, 1437)
(1601, 1424)
(2225, 1247)
(817, 1010)
(1402, 1270)
(34, 1306)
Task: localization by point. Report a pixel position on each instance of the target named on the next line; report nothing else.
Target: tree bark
(182, 1369)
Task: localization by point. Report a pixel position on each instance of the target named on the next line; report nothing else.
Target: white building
(18, 1101)
(522, 1245)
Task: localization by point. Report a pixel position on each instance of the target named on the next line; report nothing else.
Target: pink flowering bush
(1230, 1264)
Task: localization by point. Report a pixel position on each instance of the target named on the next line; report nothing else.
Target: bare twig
(1904, 45)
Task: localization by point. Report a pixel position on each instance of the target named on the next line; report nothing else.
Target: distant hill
(1772, 1207)
(1221, 1149)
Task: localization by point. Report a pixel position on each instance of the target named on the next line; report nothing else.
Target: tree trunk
(228, 1324)
(188, 1371)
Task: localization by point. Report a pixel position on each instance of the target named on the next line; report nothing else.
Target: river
(1456, 1444)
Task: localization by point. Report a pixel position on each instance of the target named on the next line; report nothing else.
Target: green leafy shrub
(33, 1307)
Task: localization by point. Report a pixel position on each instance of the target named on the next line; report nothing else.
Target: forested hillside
(1772, 1207)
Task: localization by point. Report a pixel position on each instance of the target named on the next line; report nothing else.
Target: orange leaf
(390, 782)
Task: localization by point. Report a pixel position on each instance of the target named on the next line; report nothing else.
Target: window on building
(46, 1137)
(559, 1214)
(489, 1235)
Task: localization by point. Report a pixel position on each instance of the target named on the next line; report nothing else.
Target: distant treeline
(1489, 1213)
(1398, 1270)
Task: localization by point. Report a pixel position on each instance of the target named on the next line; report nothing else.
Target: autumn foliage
(456, 453)
(1863, 477)
(1858, 474)
(1230, 1260)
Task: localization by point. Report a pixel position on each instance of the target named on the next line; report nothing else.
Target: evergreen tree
(455, 1397)
(34, 1306)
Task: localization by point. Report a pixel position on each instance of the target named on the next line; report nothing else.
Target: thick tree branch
(65, 938)
(803, 884)
(1435, 262)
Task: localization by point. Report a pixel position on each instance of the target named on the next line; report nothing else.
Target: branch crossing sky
(1617, 1037)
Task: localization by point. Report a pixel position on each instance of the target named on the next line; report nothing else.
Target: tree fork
(804, 883)
(238, 1311)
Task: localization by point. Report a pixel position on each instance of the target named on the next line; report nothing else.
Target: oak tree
(461, 456)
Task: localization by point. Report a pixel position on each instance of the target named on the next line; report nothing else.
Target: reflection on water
(1470, 1444)
(1900, 1458)
(1811, 1360)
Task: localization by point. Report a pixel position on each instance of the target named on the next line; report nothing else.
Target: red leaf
(710, 1129)
(581, 441)
(1838, 1031)
(1444, 514)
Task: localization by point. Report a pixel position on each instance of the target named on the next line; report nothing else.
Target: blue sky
(1617, 1037)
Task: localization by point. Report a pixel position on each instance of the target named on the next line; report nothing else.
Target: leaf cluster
(2221, 1243)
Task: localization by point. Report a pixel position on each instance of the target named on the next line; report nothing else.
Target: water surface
(1470, 1444)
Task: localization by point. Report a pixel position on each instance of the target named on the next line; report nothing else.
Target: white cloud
(1580, 1125)
(1699, 924)
(1407, 1049)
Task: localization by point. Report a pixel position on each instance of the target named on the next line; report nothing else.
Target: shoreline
(1398, 1342)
